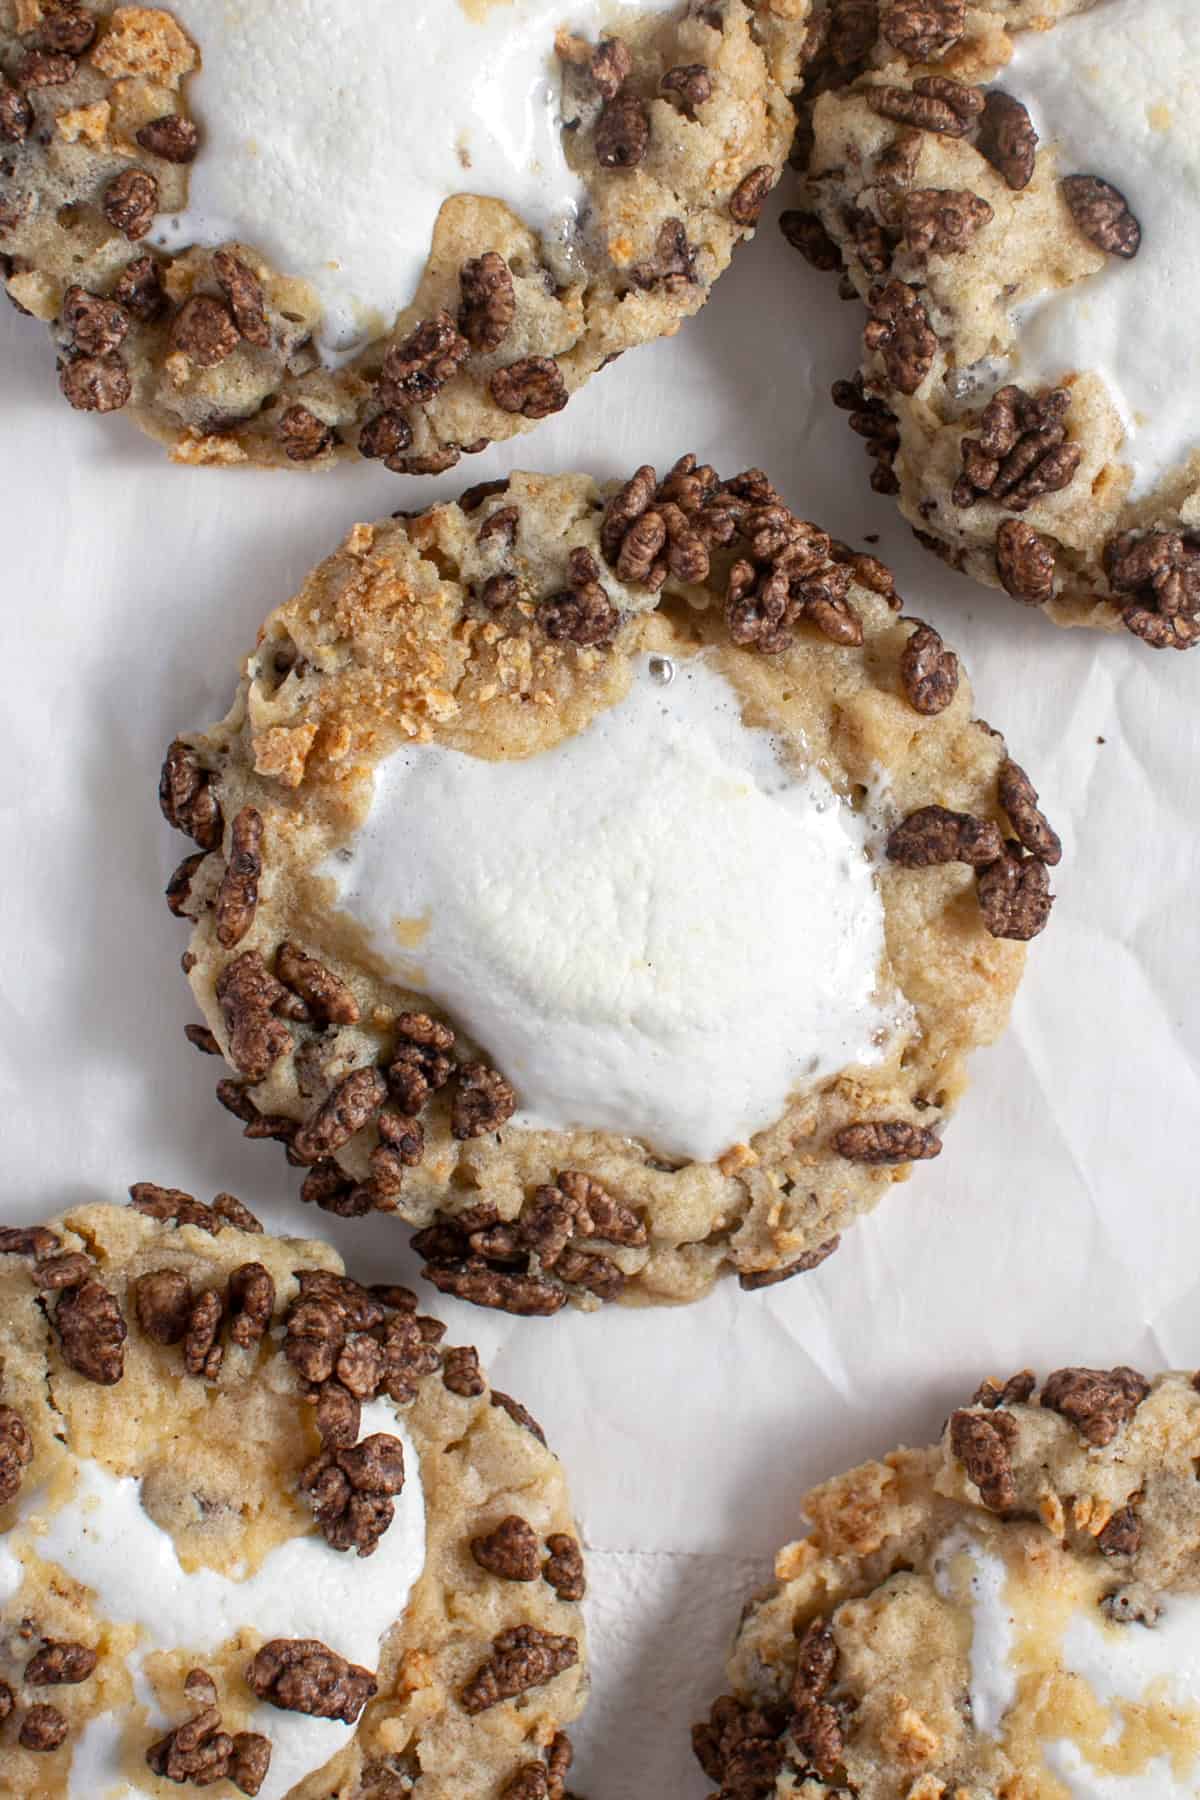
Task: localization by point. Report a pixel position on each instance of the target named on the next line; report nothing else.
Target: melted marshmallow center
(966, 1571)
(1133, 1690)
(656, 928)
(1131, 1664)
(1115, 92)
(332, 132)
(102, 1537)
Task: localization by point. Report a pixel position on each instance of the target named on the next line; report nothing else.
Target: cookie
(608, 882)
(298, 243)
(1009, 188)
(262, 1532)
(1012, 1611)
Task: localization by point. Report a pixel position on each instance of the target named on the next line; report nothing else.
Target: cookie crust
(925, 189)
(239, 1436)
(211, 351)
(501, 625)
(851, 1673)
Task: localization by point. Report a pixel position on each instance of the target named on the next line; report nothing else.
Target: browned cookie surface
(1010, 1611)
(253, 1528)
(1022, 452)
(502, 627)
(676, 132)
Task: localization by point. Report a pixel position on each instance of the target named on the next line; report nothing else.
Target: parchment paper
(1060, 1223)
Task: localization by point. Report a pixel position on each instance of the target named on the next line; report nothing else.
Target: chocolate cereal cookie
(303, 240)
(609, 882)
(1009, 188)
(1013, 1611)
(262, 1532)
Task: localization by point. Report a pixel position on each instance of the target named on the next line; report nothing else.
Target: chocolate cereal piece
(1102, 213)
(59, 1664)
(510, 1550)
(305, 1676)
(16, 1453)
(442, 629)
(131, 201)
(909, 174)
(92, 1332)
(1007, 138)
(522, 1658)
(676, 131)
(928, 671)
(1096, 1401)
(329, 1401)
(43, 1729)
(903, 1549)
(172, 137)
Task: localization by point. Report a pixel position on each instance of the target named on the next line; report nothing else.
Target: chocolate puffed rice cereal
(261, 1569)
(268, 242)
(985, 179)
(406, 941)
(1013, 1610)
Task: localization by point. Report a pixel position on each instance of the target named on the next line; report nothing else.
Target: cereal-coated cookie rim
(920, 68)
(211, 351)
(343, 1343)
(799, 1718)
(779, 582)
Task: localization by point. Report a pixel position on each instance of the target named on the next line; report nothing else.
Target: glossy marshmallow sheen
(101, 1536)
(657, 928)
(332, 133)
(1115, 92)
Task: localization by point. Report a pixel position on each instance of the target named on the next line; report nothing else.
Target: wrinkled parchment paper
(1060, 1223)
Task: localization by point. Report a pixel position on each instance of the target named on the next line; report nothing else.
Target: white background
(1060, 1223)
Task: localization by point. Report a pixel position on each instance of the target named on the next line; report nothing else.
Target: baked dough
(1012, 1611)
(1021, 462)
(677, 135)
(172, 1353)
(502, 626)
